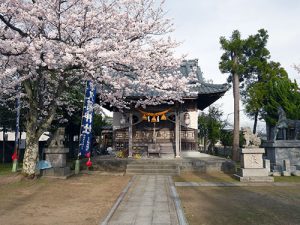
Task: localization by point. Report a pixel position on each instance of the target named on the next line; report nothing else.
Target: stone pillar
(177, 134)
(252, 169)
(130, 136)
(267, 165)
(286, 168)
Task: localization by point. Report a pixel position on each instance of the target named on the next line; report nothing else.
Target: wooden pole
(3, 146)
(130, 136)
(177, 134)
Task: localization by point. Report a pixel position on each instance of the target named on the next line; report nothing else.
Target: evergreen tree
(233, 61)
(258, 56)
(210, 126)
(274, 90)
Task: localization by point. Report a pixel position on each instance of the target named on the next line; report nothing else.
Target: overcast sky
(200, 24)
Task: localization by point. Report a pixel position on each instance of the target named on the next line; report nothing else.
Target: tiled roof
(206, 88)
(200, 86)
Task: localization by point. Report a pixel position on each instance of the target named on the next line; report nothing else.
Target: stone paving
(149, 200)
(235, 184)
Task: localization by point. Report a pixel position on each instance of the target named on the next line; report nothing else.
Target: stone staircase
(167, 148)
(153, 167)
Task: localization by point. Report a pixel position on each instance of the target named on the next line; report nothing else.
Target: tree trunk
(3, 144)
(35, 128)
(255, 122)
(31, 153)
(236, 129)
(205, 144)
(33, 134)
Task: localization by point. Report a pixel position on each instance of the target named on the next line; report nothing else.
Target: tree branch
(14, 54)
(7, 23)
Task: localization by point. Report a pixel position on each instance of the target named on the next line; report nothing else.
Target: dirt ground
(238, 205)
(84, 199)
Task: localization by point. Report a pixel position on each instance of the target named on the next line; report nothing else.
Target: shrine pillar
(130, 136)
(177, 134)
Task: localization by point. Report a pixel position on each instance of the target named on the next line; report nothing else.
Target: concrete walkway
(236, 184)
(147, 200)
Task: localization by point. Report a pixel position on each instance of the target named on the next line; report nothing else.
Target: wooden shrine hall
(166, 130)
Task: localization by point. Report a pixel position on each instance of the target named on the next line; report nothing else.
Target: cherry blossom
(52, 46)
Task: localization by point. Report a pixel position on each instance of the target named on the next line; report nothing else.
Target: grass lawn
(287, 179)
(239, 205)
(83, 199)
(5, 168)
(221, 177)
(204, 177)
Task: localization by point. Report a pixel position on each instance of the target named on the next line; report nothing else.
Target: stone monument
(252, 168)
(56, 154)
(280, 150)
(283, 146)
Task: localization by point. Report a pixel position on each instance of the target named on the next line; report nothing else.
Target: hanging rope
(155, 115)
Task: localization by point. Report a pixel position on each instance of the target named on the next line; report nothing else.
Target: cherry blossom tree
(49, 47)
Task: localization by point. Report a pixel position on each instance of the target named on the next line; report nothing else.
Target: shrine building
(166, 130)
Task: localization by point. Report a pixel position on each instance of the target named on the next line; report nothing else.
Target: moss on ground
(5, 168)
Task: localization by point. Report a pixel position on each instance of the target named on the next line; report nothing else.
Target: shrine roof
(207, 88)
(203, 92)
(199, 85)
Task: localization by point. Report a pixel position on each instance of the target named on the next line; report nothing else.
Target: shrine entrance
(146, 134)
(165, 135)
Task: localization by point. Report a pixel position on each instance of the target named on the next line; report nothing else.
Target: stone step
(151, 171)
(158, 161)
(166, 174)
(150, 166)
(167, 148)
(167, 144)
(165, 167)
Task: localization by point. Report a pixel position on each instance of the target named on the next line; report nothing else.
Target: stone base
(56, 150)
(254, 178)
(56, 156)
(296, 173)
(279, 150)
(57, 160)
(253, 172)
(64, 172)
(286, 173)
(276, 174)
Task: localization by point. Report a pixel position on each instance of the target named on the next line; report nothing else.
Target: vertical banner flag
(87, 120)
(17, 133)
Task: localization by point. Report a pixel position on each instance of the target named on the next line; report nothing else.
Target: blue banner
(17, 130)
(87, 120)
